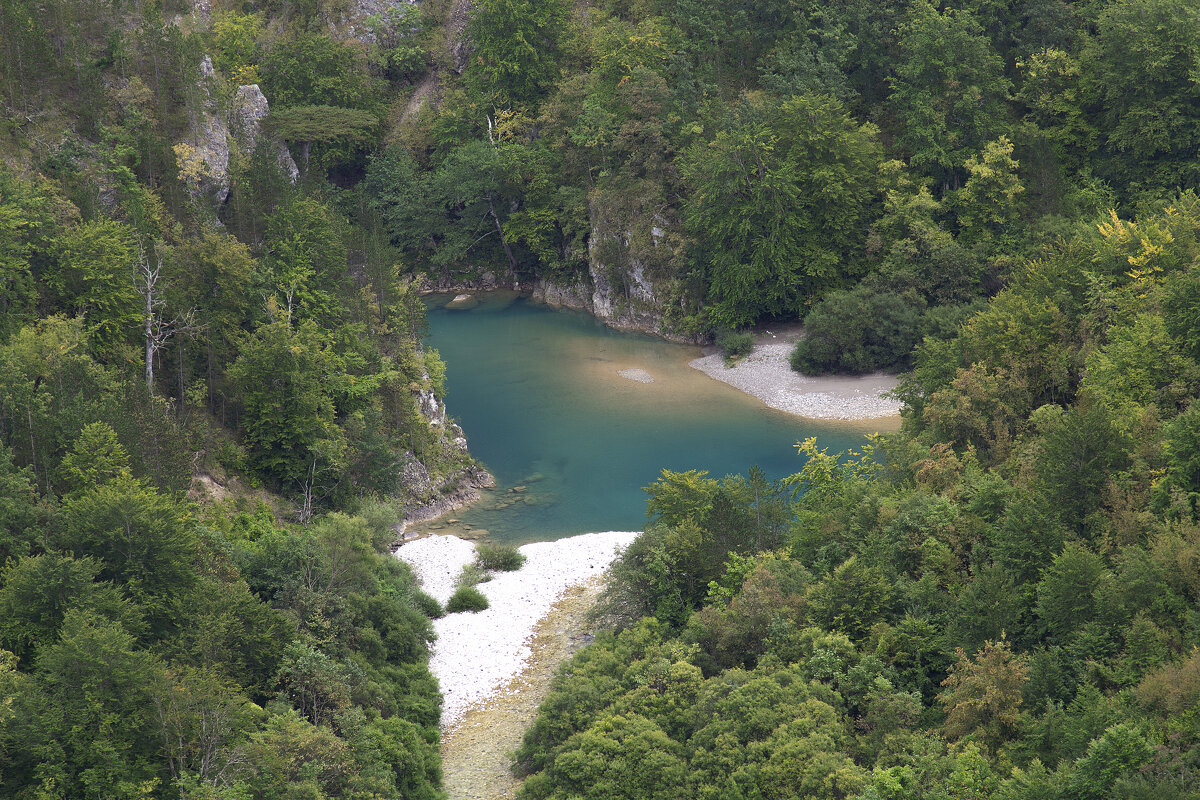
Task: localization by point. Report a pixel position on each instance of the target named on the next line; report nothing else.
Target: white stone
(478, 654)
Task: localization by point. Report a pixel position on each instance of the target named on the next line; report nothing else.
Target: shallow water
(540, 398)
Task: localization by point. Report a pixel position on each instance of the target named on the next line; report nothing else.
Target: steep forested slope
(211, 220)
(1001, 601)
(188, 315)
(709, 164)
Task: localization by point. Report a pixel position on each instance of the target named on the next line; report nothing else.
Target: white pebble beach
(767, 375)
(477, 654)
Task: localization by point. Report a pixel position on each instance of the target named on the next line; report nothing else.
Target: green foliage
(95, 278)
(322, 124)
(96, 729)
(988, 205)
(1182, 440)
(1119, 752)
(96, 458)
(18, 507)
(1134, 71)
(236, 40)
(282, 378)
(503, 557)
(983, 693)
(1079, 452)
(772, 203)
(141, 539)
(858, 331)
(28, 224)
(852, 599)
(948, 89)
(436, 369)
(735, 344)
(314, 70)
(306, 258)
(466, 598)
(723, 154)
(516, 49)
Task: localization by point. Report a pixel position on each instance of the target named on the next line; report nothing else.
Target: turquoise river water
(538, 394)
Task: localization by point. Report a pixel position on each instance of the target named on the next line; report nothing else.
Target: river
(570, 441)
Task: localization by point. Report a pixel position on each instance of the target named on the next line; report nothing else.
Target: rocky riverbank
(477, 751)
(477, 655)
(766, 374)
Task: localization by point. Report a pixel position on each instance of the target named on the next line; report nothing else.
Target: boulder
(247, 111)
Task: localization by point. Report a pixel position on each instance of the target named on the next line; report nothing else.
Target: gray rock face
(247, 111)
(577, 296)
(633, 302)
(624, 297)
(429, 494)
(205, 162)
(204, 157)
(369, 20)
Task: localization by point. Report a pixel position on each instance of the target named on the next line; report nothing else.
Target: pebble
(639, 375)
(476, 655)
(767, 375)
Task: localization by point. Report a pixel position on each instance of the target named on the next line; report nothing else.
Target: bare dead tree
(311, 484)
(157, 330)
(200, 720)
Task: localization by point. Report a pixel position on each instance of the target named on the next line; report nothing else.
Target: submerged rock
(639, 375)
(463, 301)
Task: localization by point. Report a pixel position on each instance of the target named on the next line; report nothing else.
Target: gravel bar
(478, 654)
(767, 375)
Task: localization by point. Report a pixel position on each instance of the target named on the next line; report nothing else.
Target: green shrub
(735, 344)
(437, 372)
(428, 605)
(500, 557)
(466, 598)
(472, 574)
(859, 331)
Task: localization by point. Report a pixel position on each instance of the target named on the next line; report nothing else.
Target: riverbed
(574, 418)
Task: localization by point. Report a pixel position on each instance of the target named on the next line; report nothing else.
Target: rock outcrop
(370, 20)
(204, 159)
(623, 294)
(577, 296)
(447, 481)
(247, 111)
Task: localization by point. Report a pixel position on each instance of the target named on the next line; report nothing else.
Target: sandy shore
(767, 375)
(477, 655)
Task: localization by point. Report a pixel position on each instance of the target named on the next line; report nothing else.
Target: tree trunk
(150, 338)
(512, 261)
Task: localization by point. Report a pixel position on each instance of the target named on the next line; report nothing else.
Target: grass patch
(472, 574)
(466, 598)
(499, 557)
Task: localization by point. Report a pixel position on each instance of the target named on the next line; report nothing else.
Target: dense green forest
(213, 406)
(1001, 601)
(214, 225)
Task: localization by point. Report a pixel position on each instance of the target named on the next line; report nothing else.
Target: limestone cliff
(216, 129)
(247, 111)
(446, 479)
(203, 158)
(369, 20)
(623, 286)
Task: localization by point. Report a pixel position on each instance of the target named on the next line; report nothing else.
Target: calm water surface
(539, 397)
